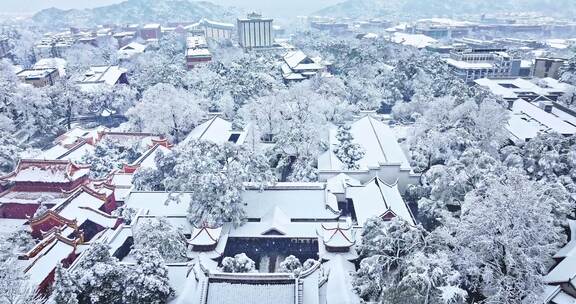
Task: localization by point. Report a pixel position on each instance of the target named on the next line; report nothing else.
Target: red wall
(49, 187)
(45, 287)
(17, 211)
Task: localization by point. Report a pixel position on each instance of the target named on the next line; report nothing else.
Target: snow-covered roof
(339, 285)
(275, 221)
(205, 236)
(57, 63)
(148, 159)
(158, 203)
(151, 26)
(292, 230)
(338, 183)
(445, 22)
(337, 235)
(527, 120)
(134, 46)
(378, 199)
(564, 272)
(32, 197)
(131, 50)
(75, 153)
(296, 201)
(515, 87)
(198, 53)
(298, 66)
(47, 171)
(378, 142)
(255, 288)
(555, 294)
(465, 65)
(97, 76)
(84, 206)
(53, 250)
(219, 131)
(216, 24)
(416, 40)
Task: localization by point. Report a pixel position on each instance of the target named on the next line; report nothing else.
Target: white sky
(274, 8)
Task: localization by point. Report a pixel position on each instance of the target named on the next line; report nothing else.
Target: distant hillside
(429, 8)
(135, 11)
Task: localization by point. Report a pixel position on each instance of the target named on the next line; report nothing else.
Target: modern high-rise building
(255, 32)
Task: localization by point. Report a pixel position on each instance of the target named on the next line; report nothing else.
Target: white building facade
(255, 32)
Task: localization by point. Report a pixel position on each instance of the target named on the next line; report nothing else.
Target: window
(234, 137)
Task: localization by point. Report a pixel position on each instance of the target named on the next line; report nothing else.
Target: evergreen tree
(159, 235)
(291, 264)
(347, 151)
(239, 263)
(147, 281)
(64, 290)
(100, 277)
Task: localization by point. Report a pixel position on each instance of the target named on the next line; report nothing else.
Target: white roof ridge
(370, 118)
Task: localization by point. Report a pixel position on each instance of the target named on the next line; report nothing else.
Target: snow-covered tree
(8, 83)
(569, 98)
(67, 100)
(240, 263)
(497, 242)
(100, 277)
(569, 71)
(158, 234)
(385, 247)
(15, 242)
(347, 151)
(119, 98)
(110, 154)
(147, 281)
(427, 278)
(81, 56)
(14, 285)
(9, 151)
(448, 127)
(290, 264)
(167, 110)
(126, 213)
(64, 289)
(213, 175)
(35, 112)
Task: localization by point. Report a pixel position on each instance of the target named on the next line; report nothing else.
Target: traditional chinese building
(83, 214)
(34, 182)
(41, 261)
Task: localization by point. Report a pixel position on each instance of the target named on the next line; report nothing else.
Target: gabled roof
(48, 171)
(148, 159)
(275, 221)
(83, 205)
(338, 236)
(44, 257)
(378, 141)
(134, 46)
(377, 198)
(340, 182)
(205, 236)
(217, 130)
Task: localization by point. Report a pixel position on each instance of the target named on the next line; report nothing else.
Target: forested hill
(430, 8)
(136, 11)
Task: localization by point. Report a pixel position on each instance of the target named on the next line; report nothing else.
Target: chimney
(510, 104)
(546, 105)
